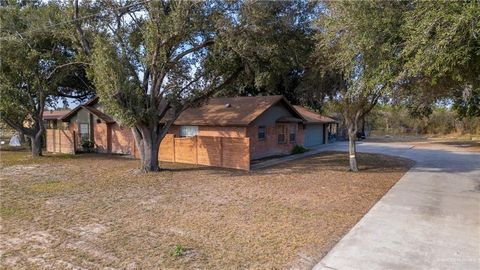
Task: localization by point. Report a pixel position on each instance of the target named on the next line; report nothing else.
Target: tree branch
(16, 126)
(64, 65)
(85, 44)
(193, 49)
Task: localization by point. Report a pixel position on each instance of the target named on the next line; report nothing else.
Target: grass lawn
(95, 212)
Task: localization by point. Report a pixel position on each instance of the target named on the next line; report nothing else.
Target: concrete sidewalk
(429, 220)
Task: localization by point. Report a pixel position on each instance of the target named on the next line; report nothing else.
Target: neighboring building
(227, 132)
(318, 129)
(89, 123)
(53, 118)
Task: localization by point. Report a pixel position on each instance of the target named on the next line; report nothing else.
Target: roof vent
(228, 105)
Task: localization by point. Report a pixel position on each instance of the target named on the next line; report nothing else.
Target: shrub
(88, 146)
(179, 251)
(298, 149)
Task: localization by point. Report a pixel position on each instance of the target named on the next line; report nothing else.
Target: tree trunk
(150, 163)
(36, 146)
(148, 144)
(352, 150)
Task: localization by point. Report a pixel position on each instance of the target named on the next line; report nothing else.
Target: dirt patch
(70, 214)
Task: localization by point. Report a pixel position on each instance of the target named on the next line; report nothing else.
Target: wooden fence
(228, 152)
(60, 141)
(225, 152)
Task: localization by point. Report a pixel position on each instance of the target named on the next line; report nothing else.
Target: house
(226, 132)
(272, 125)
(318, 129)
(89, 123)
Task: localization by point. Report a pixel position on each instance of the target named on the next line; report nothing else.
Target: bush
(298, 149)
(88, 146)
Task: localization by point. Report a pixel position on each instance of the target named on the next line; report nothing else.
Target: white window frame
(84, 135)
(188, 131)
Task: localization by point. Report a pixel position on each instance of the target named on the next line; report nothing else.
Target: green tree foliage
(152, 60)
(397, 120)
(441, 54)
(358, 47)
(274, 40)
(37, 68)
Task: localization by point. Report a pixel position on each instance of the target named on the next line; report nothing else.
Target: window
(281, 134)
(261, 133)
(293, 133)
(84, 132)
(188, 131)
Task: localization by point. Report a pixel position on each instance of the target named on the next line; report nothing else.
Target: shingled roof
(53, 115)
(313, 117)
(234, 111)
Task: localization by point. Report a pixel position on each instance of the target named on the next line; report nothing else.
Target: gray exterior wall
(271, 115)
(84, 116)
(313, 135)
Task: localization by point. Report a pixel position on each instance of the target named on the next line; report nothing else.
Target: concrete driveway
(429, 220)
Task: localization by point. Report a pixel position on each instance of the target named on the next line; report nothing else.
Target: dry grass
(453, 145)
(76, 214)
(11, 157)
(449, 144)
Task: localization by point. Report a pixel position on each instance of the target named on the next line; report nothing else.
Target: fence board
(209, 151)
(167, 149)
(60, 141)
(186, 150)
(236, 153)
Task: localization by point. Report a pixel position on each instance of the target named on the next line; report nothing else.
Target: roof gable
(90, 102)
(313, 117)
(89, 106)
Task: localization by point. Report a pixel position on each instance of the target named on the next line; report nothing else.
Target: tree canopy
(441, 55)
(38, 68)
(152, 60)
(363, 52)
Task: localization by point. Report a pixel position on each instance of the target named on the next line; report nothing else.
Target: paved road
(429, 220)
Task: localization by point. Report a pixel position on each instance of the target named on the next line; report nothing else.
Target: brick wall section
(270, 146)
(122, 140)
(60, 141)
(214, 131)
(101, 134)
